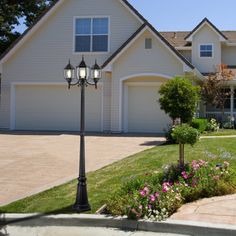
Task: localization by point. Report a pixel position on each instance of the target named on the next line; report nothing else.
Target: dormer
(206, 42)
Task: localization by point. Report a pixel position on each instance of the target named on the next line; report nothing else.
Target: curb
(170, 226)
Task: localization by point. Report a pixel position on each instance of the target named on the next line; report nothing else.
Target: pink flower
(185, 175)
(156, 194)
(144, 192)
(165, 187)
(152, 198)
(140, 207)
(149, 206)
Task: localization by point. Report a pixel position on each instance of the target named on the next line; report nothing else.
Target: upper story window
(206, 50)
(91, 34)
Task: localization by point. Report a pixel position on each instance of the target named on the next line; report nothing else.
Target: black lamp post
(82, 79)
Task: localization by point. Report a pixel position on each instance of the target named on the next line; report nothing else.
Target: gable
(136, 59)
(205, 22)
(121, 9)
(107, 65)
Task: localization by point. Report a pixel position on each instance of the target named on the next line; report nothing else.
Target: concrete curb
(169, 226)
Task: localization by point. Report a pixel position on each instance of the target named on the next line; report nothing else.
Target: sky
(184, 15)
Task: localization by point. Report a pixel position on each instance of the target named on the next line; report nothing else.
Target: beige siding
(138, 60)
(187, 54)
(206, 36)
(43, 57)
(229, 55)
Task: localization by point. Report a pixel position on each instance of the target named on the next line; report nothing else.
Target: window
(91, 34)
(206, 50)
(148, 43)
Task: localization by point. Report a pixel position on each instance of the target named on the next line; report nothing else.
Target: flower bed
(156, 196)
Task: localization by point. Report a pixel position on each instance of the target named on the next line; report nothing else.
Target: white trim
(143, 84)
(184, 48)
(31, 31)
(91, 52)
(125, 108)
(205, 44)
(102, 108)
(135, 15)
(12, 107)
(231, 44)
(190, 38)
(121, 92)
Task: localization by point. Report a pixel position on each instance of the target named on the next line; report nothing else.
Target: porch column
(231, 101)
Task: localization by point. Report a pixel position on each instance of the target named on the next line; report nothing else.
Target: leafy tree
(214, 90)
(11, 11)
(179, 99)
(184, 134)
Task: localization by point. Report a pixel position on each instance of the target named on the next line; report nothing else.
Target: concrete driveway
(33, 162)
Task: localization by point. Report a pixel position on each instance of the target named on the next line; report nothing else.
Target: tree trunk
(181, 155)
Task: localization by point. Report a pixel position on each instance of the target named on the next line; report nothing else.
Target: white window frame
(74, 35)
(206, 44)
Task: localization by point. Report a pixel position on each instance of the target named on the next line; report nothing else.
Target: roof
(146, 24)
(205, 20)
(177, 38)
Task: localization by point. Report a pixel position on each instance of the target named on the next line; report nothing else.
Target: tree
(184, 134)
(179, 99)
(214, 91)
(11, 11)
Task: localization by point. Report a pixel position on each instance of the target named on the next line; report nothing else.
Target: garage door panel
(144, 113)
(54, 107)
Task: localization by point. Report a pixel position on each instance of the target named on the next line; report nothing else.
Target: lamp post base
(81, 208)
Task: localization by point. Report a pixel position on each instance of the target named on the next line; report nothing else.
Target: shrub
(152, 197)
(179, 98)
(184, 134)
(212, 125)
(168, 134)
(200, 124)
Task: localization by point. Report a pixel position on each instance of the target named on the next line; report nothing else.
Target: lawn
(221, 132)
(102, 183)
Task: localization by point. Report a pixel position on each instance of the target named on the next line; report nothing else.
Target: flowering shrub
(212, 125)
(157, 196)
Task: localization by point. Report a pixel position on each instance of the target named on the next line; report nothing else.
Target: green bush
(185, 134)
(200, 124)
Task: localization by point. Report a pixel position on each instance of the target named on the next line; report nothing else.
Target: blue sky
(170, 15)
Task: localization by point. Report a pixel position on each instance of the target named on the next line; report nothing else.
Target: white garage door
(54, 107)
(144, 113)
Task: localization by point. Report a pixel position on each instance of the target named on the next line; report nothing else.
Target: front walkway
(33, 162)
(218, 210)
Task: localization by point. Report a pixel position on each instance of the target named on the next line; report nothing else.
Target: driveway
(33, 162)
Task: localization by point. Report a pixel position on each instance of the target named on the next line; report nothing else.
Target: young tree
(179, 99)
(184, 134)
(214, 91)
(11, 11)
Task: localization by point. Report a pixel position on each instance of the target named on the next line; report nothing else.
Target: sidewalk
(218, 210)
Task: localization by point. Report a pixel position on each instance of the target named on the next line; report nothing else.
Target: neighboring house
(136, 60)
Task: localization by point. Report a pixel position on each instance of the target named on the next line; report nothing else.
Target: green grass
(221, 132)
(102, 183)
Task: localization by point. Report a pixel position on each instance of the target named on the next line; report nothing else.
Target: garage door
(54, 107)
(144, 113)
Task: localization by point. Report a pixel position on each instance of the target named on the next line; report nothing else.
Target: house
(135, 57)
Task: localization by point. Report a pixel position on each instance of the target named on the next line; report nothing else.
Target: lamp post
(81, 77)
